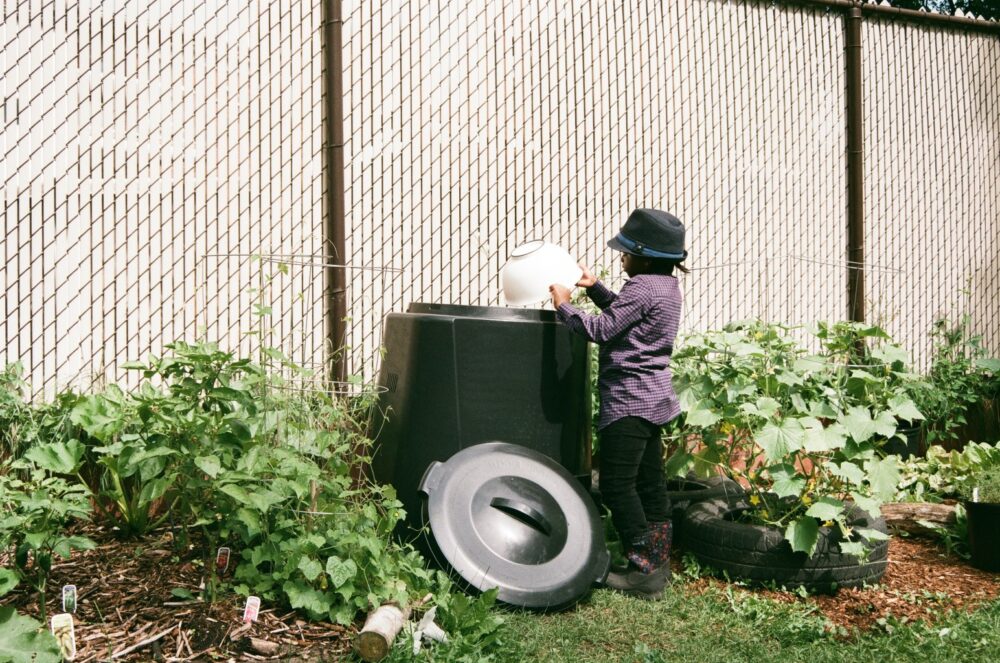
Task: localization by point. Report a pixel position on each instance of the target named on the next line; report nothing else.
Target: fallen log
(375, 639)
(919, 518)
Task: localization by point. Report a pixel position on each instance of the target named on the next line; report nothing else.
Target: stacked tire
(760, 554)
(689, 490)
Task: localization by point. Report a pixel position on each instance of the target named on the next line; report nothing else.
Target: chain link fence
(163, 165)
(932, 168)
(474, 128)
(150, 150)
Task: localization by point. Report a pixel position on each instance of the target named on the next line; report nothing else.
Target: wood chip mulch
(126, 611)
(922, 583)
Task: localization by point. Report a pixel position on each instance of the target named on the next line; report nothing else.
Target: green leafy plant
(940, 474)
(129, 460)
(801, 431)
(311, 539)
(788, 624)
(692, 567)
(864, 368)
(230, 455)
(582, 302)
(327, 545)
(955, 537)
(15, 413)
(961, 378)
(34, 513)
(25, 640)
(271, 476)
(473, 625)
(983, 484)
(196, 427)
(989, 372)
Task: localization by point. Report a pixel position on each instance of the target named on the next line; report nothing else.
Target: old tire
(682, 492)
(760, 555)
(691, 489)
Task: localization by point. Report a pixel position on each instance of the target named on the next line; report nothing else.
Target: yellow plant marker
(62, 629)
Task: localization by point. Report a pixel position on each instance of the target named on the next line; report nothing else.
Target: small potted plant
(981, 493)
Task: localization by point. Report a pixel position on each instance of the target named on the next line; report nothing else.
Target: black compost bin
(456, 376)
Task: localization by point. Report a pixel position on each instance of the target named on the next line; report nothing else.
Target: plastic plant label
(251, 610)
(69, 599)
(435, 632)
(222, 560)
(975, 494)
(62, 629)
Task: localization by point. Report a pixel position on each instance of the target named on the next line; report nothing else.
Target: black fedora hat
(651, 233)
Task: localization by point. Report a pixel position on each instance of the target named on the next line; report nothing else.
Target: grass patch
(730, 625)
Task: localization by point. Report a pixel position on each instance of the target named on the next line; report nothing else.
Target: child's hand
(588, 279)
(560, 294)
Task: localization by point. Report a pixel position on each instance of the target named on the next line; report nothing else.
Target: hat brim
(617, 245)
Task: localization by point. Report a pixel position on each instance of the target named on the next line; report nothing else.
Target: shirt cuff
(566, 310)
(599, 292)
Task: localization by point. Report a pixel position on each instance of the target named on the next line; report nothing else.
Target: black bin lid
(507, 516)
(504, 313)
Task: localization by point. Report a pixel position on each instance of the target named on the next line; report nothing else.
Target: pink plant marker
(222, 560)
(252, 609)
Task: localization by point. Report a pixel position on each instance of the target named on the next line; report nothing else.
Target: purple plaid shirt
(635, 330)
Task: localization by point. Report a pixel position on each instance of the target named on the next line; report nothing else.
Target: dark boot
(643, 578)
(661, 535)
(646, 586)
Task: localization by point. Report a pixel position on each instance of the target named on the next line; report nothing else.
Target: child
(635, 331)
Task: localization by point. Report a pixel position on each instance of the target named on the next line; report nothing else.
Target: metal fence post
(855, 168)
(335, 299)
